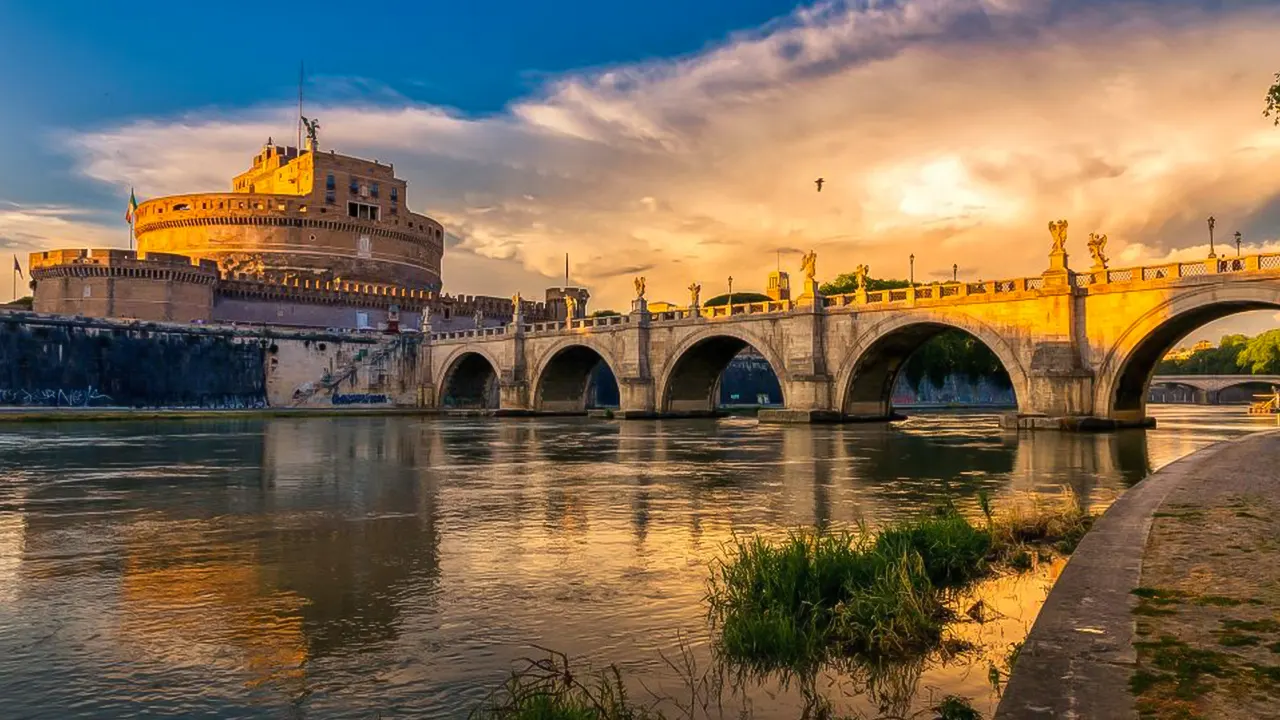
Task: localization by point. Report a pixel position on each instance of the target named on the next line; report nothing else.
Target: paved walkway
(1186, 535)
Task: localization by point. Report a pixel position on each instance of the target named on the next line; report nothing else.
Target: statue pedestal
(1058, 276)
(809, 295)
(639, 306)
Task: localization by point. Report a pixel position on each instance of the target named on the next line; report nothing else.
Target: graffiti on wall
(88, 397)
(360, 399)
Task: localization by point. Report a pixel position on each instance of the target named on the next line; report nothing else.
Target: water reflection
(345, 567)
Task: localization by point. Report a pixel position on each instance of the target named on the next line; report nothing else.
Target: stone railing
(719, 311)
(473, 333)
(932, 294)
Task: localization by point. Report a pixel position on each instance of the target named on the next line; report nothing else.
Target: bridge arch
(690, 377)
(1124, 376)
(562, 376)
(470, 380)
(870, 370)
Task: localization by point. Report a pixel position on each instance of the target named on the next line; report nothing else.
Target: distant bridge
(1075, 344)
(1204, 389)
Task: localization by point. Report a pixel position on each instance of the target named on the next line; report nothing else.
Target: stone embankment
(1170, 607)
(51, 365)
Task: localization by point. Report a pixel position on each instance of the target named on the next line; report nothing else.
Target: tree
(605, 313)
(738, 298)
(1272, 109)
(1261, 355)
(848, 282)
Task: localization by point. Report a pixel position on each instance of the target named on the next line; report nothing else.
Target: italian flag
(132, 209)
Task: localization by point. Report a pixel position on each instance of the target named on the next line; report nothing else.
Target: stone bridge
(1205, 389)
(1079, 347)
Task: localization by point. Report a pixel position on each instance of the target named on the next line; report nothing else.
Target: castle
(305, 238)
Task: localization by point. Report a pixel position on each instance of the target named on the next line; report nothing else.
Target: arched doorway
(907, 360)
(698, 384)
(470, 383)
(576, 379)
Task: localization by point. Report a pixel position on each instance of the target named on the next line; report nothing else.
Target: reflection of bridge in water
(1210, 389)
(1075, 345)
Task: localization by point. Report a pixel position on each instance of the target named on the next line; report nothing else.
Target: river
(399, 566)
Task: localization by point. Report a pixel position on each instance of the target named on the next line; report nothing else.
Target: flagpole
(301, 76)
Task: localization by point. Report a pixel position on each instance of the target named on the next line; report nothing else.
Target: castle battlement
(106, 282)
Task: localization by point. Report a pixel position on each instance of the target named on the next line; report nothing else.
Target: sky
(675, 140)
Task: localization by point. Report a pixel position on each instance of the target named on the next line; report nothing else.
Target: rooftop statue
(1058, 231)
(1097, 245)
(640, 287)
(809, 264)
(695, 293)
(312, 126)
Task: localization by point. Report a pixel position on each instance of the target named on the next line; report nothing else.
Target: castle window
(395, 195)
(302, 208)
(362, 211)
(395, 210)
(329, 184)
(182, 206)
(373, 190)
(328, 197)
(251, 187)
(353, 187)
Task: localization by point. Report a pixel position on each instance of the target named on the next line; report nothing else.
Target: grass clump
(1061, 524)
(955, 708)
(818, 593)
(550, 689)
(793, 601)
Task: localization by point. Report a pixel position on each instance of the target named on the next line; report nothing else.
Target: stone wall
(50, 361)
(78, 363)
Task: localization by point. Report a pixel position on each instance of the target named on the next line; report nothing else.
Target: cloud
(948, 129)
(26, 228)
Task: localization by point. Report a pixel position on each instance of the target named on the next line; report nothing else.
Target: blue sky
(87, 63)
(673, 139)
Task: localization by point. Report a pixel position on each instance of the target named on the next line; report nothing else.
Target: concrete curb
(1078, 658)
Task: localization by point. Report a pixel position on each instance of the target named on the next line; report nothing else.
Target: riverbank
(1172, 596)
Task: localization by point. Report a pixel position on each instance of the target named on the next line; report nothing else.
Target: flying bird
(819, 182)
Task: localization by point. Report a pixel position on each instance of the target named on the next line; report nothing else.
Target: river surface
(401, 567)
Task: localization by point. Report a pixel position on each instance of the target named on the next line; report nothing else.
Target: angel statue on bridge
(1058, 231)
(809, 264)
(570, 307)
(515, 304)
(1098, 243)
(640, 288)
(860, 274)
(695, 294)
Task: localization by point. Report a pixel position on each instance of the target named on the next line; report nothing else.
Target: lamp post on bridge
(730, 294)
(955, 270)
(1238, 243)
(912, 274)
(1212, 222)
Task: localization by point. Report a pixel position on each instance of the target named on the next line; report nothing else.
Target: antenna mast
(300, 76)
(566, 270)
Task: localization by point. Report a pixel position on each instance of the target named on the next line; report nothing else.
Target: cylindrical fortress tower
(302, 216)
